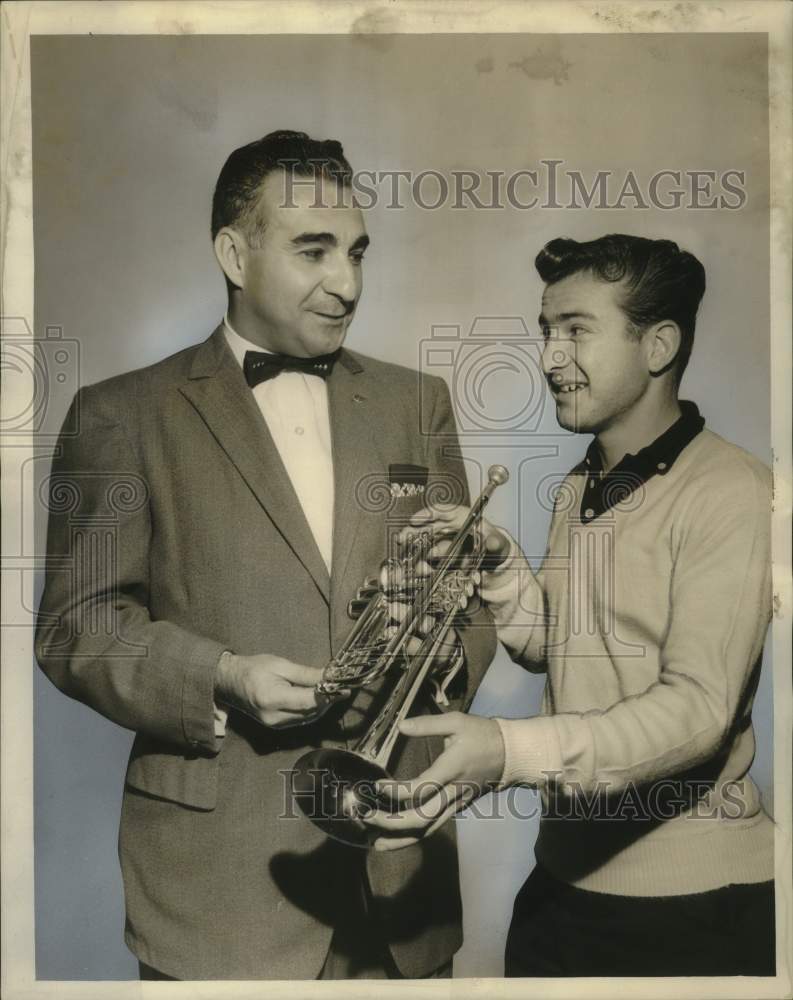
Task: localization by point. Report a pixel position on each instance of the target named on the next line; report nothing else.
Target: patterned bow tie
(259, 366)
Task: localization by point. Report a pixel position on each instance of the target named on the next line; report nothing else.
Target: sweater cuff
(532, 753)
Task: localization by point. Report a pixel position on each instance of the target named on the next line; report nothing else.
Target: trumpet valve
(357, 606)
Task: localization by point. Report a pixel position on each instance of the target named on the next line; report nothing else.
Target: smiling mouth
(336, 316)
(567, 387)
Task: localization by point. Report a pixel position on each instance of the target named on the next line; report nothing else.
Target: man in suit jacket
(207, 531)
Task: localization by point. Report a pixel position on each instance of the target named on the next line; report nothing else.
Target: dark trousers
(559, 930)
(147, 972)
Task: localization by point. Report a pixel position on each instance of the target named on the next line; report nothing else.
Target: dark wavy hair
(240, 181)
(661, 281)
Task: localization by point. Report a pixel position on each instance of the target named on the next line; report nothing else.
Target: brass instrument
(335, 786)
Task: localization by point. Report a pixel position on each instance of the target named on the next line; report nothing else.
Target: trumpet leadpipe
(377, 641)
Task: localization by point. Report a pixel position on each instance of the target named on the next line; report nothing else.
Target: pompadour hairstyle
(240, 181)
(661, 281)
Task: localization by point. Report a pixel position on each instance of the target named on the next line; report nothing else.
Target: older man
(219, 526)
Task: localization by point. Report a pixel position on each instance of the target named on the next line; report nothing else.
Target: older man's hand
(272, 690)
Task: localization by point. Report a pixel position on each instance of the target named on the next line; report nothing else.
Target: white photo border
(22, 20)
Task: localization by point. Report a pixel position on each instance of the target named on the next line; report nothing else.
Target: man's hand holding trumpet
(473, 759)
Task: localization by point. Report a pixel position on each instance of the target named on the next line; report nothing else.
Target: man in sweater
(655, 856)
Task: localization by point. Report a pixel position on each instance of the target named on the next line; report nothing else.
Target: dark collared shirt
(604, 490)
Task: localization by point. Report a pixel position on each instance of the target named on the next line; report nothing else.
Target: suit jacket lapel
(216, 387)
(355, 456)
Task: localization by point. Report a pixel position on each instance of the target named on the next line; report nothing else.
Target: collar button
(661, 466)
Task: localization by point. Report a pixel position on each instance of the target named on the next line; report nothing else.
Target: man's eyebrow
(561, 317)
(329, 239)
(303, 238)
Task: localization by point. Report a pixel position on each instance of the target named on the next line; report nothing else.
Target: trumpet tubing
(375, 644)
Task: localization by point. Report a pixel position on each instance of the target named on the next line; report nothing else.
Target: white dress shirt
(295, 408)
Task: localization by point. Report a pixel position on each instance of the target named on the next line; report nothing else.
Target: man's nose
(343, 281)
(556, 354)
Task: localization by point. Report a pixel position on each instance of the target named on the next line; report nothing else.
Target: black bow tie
(259, 366)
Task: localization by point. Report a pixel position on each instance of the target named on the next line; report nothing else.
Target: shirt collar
(602, 492)
(659, 456)
(239, 345)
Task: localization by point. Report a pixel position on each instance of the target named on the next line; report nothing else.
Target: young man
(655, 856)
(212, 507)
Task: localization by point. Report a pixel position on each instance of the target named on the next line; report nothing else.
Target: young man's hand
(471, 765)
(443, 521)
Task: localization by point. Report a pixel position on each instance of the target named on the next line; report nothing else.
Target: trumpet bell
(334, 788)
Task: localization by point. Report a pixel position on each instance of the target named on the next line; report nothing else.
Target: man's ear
(663, 342)
(230, 251)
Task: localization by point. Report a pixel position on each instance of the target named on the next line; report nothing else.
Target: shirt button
(589, 512)
(591, 484)
(299, 430)
(661, 466)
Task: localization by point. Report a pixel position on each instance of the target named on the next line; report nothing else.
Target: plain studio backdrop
(128, 137)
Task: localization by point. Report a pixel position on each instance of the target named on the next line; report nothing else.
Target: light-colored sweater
(650, 621)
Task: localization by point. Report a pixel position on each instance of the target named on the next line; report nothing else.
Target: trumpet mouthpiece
(498, 475)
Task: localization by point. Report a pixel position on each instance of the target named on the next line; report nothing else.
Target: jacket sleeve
(95, 637)
(447, 476)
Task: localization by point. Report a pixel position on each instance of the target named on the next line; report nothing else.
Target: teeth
(570, 388)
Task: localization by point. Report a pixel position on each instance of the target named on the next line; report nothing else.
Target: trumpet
(335, 787)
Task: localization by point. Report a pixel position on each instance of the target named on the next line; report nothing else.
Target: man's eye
(357, 258)
(576, 330)
(312, 254)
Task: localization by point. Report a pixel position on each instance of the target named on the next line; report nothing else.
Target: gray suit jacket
(175, 534)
